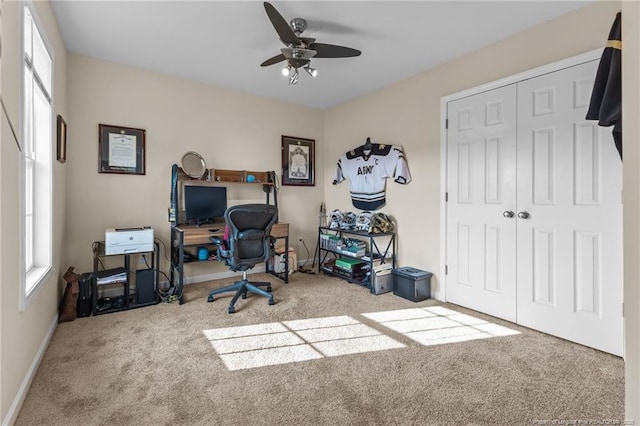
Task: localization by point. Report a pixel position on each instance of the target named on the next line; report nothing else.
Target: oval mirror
(193, 165)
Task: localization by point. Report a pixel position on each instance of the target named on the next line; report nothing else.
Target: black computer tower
(84, 296)
(145, 286)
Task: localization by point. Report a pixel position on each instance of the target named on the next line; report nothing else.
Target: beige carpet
(352, 362)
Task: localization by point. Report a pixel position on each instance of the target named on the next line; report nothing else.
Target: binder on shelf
(367, 257)
(111, 276)
(348, 263)
(353, 252)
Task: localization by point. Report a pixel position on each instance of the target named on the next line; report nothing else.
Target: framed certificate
(121, 150)
(298, 161)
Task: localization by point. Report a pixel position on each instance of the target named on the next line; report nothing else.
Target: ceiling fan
(300, 50)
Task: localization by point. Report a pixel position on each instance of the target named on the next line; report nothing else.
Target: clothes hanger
(367, 144)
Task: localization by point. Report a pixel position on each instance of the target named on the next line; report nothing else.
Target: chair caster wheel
(269, 289)
(231, 310)
(272, 302)
(210, 299)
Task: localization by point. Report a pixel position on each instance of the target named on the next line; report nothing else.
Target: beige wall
(631, 111)
(22, 333)
(229, 129)
(408, 114)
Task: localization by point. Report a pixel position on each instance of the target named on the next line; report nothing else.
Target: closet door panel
(569, 184)
(481, 187)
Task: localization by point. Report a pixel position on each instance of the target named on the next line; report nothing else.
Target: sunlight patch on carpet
(357, 345)
(269, 356)
(261, 345)
(438, 325)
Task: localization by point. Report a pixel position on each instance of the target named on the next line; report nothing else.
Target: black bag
(85, 304)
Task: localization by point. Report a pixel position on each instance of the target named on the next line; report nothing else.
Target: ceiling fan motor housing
(298, 25)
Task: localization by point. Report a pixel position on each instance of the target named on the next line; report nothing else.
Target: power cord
(169, 295)
(301, 267)
(166, 250)
(94, 248)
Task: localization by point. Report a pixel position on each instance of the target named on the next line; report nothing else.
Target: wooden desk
(194, 235)
(280, 230)
(190, 235)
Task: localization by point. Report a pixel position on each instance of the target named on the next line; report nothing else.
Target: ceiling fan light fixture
(311, 71)
(294, 77)
(286, 70)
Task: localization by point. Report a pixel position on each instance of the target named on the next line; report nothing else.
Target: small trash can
(411, 283)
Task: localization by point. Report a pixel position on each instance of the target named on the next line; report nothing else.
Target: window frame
(31, 282)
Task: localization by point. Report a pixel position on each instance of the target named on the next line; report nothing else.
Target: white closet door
(569, 269)
(481, 187)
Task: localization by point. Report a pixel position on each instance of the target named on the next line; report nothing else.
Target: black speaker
(85, 282)
(145, 286)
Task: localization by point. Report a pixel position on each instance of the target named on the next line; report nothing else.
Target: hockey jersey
(367, 171)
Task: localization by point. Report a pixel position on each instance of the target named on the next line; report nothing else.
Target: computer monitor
(203, 204)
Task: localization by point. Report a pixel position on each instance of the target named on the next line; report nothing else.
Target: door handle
(524, 215)
(508, 214)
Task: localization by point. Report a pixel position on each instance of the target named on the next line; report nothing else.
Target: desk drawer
(200, 234)
(190, 240)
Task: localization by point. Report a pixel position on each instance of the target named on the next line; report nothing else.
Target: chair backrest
(249, 239)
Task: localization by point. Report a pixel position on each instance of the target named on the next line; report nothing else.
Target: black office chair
(247, 244)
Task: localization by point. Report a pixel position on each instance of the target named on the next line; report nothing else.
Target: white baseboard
(220, 275)
(227, 274)
(14, 409)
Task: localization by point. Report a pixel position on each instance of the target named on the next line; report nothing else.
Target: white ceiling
(223, 42)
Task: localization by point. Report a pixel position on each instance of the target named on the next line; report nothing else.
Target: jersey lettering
(366, 170)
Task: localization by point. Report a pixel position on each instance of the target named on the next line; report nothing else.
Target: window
(36, 161)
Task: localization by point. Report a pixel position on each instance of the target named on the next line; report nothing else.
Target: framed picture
(298, 161)
(121, 150)
(61, 126)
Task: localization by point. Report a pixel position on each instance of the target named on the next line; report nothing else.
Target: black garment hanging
(367, 144)
(606, 98)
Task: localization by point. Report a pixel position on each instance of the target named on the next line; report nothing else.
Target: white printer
(128, 240)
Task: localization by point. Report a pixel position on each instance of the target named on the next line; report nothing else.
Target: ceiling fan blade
(274, 60)
(332, 51)
(287, 36)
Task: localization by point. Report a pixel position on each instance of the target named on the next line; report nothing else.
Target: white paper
(122, 150)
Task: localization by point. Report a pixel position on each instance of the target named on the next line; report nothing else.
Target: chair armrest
(216, 240)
